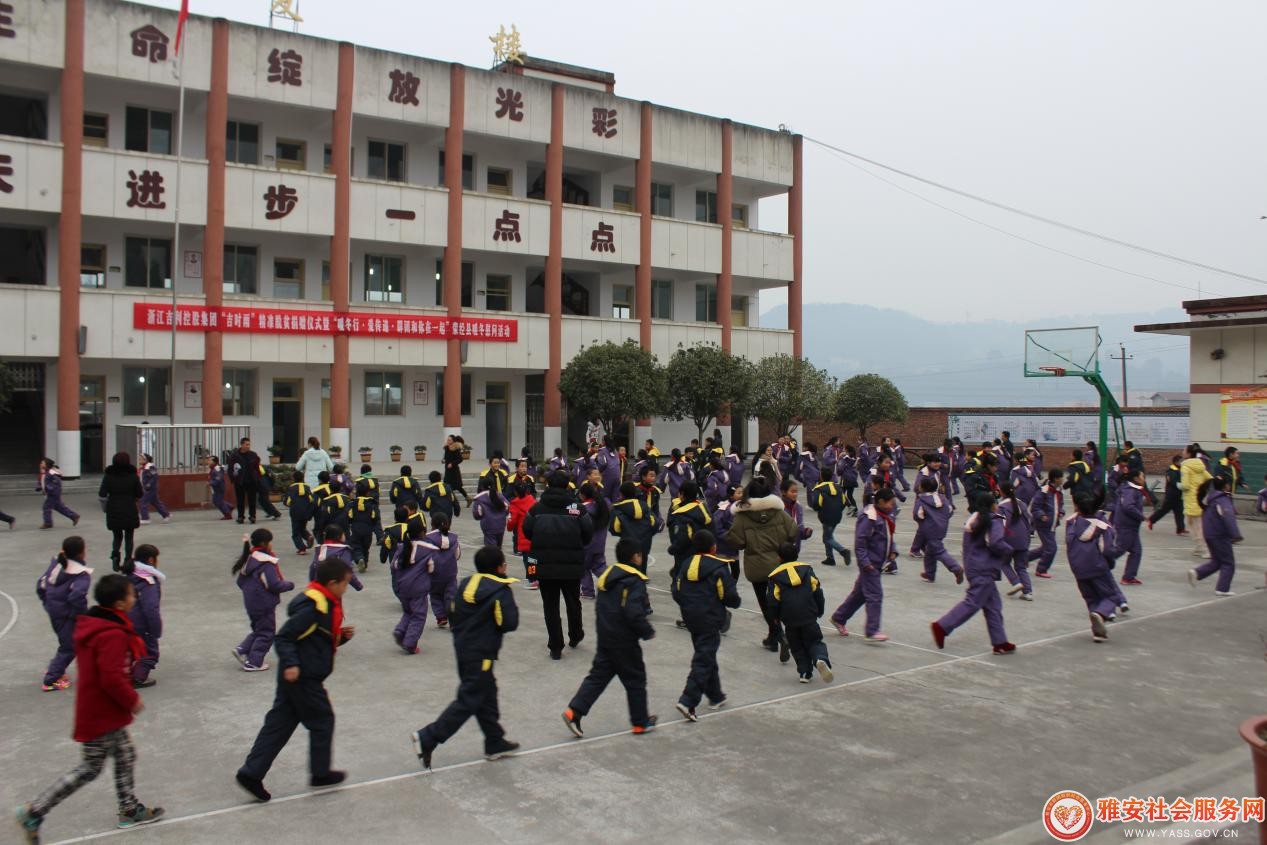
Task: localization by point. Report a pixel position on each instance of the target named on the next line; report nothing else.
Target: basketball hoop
(1055, 371)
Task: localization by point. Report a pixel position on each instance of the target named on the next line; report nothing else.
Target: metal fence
(179, 447)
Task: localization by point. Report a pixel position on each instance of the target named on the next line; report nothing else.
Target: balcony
(761, 255)
(37, 175)
(755, 344)
(373, 201)
(246, 206)
(586, 236)
(106, 192)
(685, 245)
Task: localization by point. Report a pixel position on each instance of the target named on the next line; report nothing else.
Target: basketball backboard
(1062, 352)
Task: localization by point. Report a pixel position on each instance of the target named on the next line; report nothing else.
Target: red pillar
(642, 201)
(795, 226)
(213, 234)
(341, 245)
(554, 261)
(725, 198)
(453, 245)
(69, 235)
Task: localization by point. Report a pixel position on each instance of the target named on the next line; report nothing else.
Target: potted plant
(280, 474)
(466, 452)
(202, 453)
(336, 452)
(420, 453)
(395, 451)
(366, 453)
(275, 453)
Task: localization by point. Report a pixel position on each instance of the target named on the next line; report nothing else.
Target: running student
(216, 480)
(302, 506)
(873, 549)
(828, 500)
(333, 547)
(1172, 499)
(703, 590)
(1218, 526)
(1092, 548)
(51, 486)
(261, 582)
(488, 508)
(1128, 514)
(932, 515)
(149, 487)
(364, 524)
(105, 704)
(596, 552)
(1018, 526)
(796, 600)
(63, 590)
(985, 552)
(1047, 508)
(146, 615)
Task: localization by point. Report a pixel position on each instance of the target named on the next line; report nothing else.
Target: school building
(332, 279)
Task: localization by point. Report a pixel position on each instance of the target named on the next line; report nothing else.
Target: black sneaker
(504, 748)
(573, 721)
(647, 727)
(253, 786)
(725, 625)
(829, 562)
(848, 556)
(140, 815)
(145, 684)
(423, 751)
(770, 644)
(573, 643)
(785, 652)
(332, 778)
(556, 655)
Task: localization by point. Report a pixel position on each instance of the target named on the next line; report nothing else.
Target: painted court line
(578, 743)
(13, 620)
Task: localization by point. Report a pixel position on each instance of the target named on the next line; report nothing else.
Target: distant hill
(963, 364)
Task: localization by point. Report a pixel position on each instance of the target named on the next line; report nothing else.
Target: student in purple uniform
(831, 454)
(899, 463)
(149, 495)
(1128, 515)
(51, 486)
(790, 494)
(1092, 548)
(1047, 508)
(1260, 505)
(557, 462)
(146, 614)
(63, 590)
(1219, 528)
(847, 474)
(946, 451)
(734, 466)
(488, 508)
(808, 470)
(1116, 478)
(716, 483)
(676, 472)
(444, 571)
(332, 546)
(828, 500)
(596, 552)
(932, 515)
(866, 458)
(1018, 526)
(610, 465)
(411, 581)
(723, 519)
(260, 579)
(985, 551)
(1035, 456)
(873, 549)
(216, 480)
(1024, 479)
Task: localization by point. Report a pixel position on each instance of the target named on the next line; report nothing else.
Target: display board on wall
(1144, 430)
(1243, 415)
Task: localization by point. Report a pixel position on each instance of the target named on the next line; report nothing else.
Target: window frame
(466, 394)
(98, 270)
(468, 173)
(387, 148)
(710, 302)
(226, 282)
(148, 408)
(149, 245)
(235, 142)
(385, 379)
(624, 206)
(656, 189)
(149, 129)
(739, 215)
(624, 299)
(243, 386)
(300, 279)
(468, 284)
(504, 291)
(739, 315)
(665, 286)
(507, 190)
(384, 294)
(287, 163)
(93, 140)
(327, 158)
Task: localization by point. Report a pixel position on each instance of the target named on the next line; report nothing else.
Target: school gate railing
(180, 452)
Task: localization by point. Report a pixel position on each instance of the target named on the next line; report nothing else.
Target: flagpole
(177, 258)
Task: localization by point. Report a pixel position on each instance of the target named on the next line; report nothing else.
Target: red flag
(180, 22)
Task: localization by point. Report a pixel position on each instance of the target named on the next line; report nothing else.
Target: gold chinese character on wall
(506, 46)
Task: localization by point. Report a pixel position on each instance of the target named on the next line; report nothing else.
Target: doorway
(92, 423)
(288, 416)
(535, 414)
(23, 421)
(497, 418)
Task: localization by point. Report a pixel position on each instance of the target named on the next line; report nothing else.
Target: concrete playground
(908, 745)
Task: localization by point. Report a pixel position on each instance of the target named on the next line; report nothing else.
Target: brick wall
(925, 429)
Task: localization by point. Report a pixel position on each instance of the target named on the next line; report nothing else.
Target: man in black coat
(244, 469)
(559, 529)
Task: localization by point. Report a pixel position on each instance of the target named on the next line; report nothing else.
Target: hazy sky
(1141, 120)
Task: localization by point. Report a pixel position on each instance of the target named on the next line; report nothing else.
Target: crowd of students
(711, 523)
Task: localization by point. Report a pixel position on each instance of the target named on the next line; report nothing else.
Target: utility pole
(1123, 357)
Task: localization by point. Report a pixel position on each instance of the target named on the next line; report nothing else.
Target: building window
(92, 266)
(148, 131)
(661, 300)
(291, 155)
(497, 293)
(384, 278)
(327, 158)
(325, 281)
(386, 161)
(739, 216)
(96, 129)
(288, 278)
(500, 181)
(706, 303)
(238, 393)
(145, 391)
(622, 302)
(661, 199)
(22, 256)
(147, 263)
(466, 394)
(623, 198)
(739, 311)
(382, 394)
(23, 114)
(241, 269)
(242, 143)
(706, 206)
(468, 282)
(468, 171)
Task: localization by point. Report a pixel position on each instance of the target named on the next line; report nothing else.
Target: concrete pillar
(69, 236)
(795, 226)
(341, 247)
(453, 248)
(725, 199)
(642, 276)
(554, 261)
(213, 234)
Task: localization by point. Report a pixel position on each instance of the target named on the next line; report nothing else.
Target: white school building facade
(331, 279)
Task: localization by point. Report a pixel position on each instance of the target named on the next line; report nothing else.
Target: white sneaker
(251, 667)
(824, 670)
(1027, 596)
(1192, 577)
(1099, 633)
(1224, 593)
(145, 522)
(167, 519)
(1016, 588)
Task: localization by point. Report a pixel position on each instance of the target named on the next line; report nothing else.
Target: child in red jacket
(519, 507)
(105, 702)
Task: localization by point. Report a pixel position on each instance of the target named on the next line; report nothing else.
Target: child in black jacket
(621, 617)
(481, 613)
(703, 590)
(302, 504)
(795, 598)
(305, 650)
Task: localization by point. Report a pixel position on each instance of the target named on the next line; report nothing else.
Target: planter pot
(420, 456)
(1254, 732)
(274, 459)
(466, 454)
(274, 497)
(396, 457)
(366, 457)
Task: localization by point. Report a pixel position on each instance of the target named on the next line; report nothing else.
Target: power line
(1040, 218)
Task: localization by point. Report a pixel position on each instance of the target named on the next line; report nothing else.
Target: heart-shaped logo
(1069, 815)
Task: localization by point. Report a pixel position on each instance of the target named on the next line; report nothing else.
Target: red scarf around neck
(336, 612)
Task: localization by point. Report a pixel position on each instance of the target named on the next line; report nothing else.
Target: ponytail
(982, 526)
(258, 538)
(1010, 492)
(246, 553)
(412, 534)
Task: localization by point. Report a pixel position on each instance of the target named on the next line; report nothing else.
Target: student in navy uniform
(333, 510)
(367, 475)
(631, 518)
(482, 612)
(146, 615)
(494, 477)
(1080, 476)
(261, 582)
(51, 486)
(621, 618)
(394, 535)
(439, 497)
(63, 590)
(932, 514)
(262, 492)
(828, 500)
(319, 494)
(1229, 467)
(985, 550)
(687, 515)
(873, 549)
(1219, 528)
(306, 646)
(405, 488)
(1127, 517)
(216, 480)
(364, 524)
(1172, 499)
(1047, 508)
(978, 478)
(847, 473)
(703, 590)
(1092, 548)
(302, 506)
(796, 600)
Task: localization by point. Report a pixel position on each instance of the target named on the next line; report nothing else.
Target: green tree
(613, 383)
(867, 399)
(703, 382)
(8, 382)
(786, 390)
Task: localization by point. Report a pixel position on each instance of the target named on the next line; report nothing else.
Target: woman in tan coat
(1192, 474)
(761, 525)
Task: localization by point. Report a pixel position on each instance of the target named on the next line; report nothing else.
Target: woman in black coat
(120, 491)
(453, 446)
